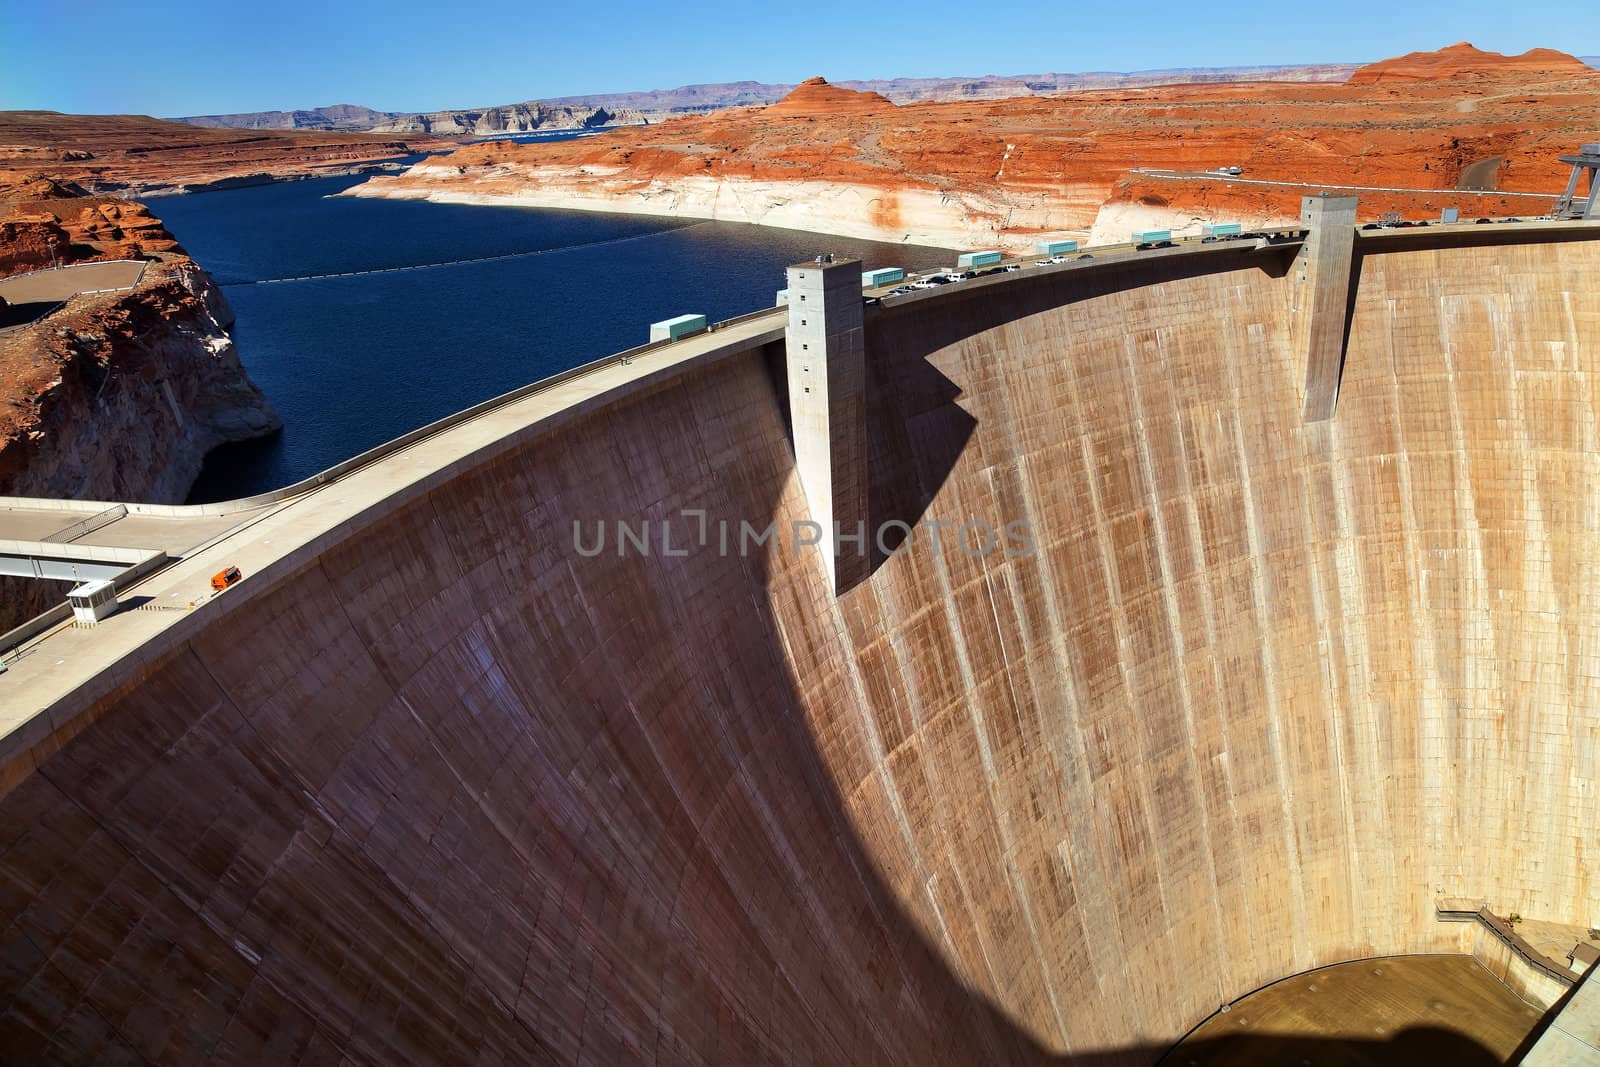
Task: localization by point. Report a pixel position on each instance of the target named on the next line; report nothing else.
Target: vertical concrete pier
(1321, 295)
(1585, 170)
(827, 408)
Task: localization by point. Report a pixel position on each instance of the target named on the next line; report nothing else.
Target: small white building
(92, 601)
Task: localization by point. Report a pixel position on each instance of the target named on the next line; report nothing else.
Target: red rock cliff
(116, 396)
(1462, 60)
(815, 96)
(1437, 125)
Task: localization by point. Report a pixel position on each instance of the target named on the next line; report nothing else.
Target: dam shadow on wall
(917, 429)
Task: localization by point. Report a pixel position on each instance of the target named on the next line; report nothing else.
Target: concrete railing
(748, 316)
(389, 448)
(97, 514)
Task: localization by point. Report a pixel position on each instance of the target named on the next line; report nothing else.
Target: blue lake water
(351, 362)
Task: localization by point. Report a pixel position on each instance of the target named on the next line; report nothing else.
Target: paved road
(1196, 176)
(172, 529)
(61, 283)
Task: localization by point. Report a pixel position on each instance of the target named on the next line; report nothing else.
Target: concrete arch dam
(431, 785)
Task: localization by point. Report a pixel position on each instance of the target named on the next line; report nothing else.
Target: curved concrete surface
(1399, 1011)
(430, 785)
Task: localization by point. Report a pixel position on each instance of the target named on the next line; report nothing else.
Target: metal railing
(87, 526)
(45, 314)
(59, 304)
(83, 263)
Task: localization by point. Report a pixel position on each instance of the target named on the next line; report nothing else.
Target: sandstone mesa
(656, 105)
(1458, 127)
(143, 156)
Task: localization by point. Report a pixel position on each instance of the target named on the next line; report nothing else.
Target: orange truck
(224, 578)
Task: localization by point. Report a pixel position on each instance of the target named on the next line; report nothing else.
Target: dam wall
(445, 786)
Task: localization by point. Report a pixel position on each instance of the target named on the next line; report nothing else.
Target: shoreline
(135, 190)
(1008, 221)
(911, 215)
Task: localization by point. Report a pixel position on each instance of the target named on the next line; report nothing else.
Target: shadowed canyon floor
(432, 785)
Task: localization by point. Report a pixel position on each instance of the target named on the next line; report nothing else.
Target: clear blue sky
(162, 58)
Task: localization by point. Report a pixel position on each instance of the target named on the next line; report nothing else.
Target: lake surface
(351, 362)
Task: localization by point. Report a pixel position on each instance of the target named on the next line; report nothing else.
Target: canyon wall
(1461, 128)
(144, 385)
(443, 787)
(911, 215)
(142, 155)
(119, 397)
(512, 118)
(114, 396)
(48, 223)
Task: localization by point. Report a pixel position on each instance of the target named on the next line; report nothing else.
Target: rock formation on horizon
(142, 155)
(981, 173)
(815, 96)
(657, 105)
(1463, 60)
